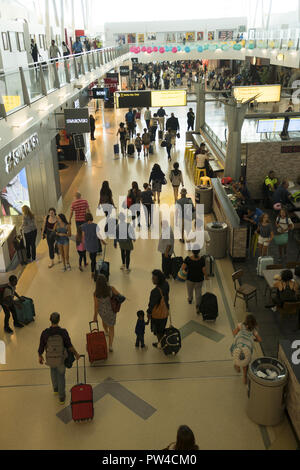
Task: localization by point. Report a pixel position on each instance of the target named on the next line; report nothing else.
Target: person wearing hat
(183, 213)
(242, 348)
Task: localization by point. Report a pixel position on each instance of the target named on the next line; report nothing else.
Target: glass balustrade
(33, 82)
(60, 66)
(11, 91)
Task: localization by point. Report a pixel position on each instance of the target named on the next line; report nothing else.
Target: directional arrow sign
(120, 393)
(202, 330)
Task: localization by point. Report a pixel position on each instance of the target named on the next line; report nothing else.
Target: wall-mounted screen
(270, 125)
(168, 98)
(266, 93)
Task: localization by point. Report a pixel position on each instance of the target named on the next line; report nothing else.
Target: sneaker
(128, 271)
(123, 267)
(64, 269)
(8, 330)
(51, 265)
(62, 402)
(68, 267)
(18, 325)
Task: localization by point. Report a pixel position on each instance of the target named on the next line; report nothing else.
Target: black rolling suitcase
(130, 150)
(177, 262)
(210, 265)
(160, 135)
(209, 307)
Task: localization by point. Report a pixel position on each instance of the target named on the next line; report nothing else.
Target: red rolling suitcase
(82, 399)
(96, 344)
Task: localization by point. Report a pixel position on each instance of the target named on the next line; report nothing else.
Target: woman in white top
(283, 225)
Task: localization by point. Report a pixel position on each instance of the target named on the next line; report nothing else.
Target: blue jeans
(58, 377)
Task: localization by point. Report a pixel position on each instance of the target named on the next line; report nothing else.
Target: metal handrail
(108, 55)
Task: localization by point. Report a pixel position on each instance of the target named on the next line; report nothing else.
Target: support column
(67, 71)
(235, 115)
(62, 20)
(56, 77)
(200, 111)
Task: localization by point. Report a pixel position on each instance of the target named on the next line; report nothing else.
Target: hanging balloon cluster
(206, 47)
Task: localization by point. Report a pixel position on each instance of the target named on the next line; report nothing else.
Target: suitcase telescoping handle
(94, 329)
(84, 369)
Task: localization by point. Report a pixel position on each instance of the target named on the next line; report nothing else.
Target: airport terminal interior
(214, 101)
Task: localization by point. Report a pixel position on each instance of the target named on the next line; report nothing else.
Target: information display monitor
(168, 98)
(264, 93)
(294, 125)
(270, 125)
(133, 99)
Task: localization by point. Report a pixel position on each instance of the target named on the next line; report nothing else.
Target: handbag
(160, 311)
(282, 239)
(178, 135)
(182, 275)
(116, 301)
(129, 202)
(163, 144)
(164, 181)
(70, 359)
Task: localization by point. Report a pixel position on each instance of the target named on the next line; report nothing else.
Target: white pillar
(62, 19)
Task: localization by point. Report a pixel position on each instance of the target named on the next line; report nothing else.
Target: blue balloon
(212, 47)
(237, 47)
(206, 47)
(178, 48)
(225, 47)
(187, 49)
(200, 49)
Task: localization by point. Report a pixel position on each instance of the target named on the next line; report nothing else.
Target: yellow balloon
(272, 44)
(243, 42)
(234, 42)
(290, 43)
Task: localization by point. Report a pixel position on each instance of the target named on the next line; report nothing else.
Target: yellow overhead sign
(266, 93)
(168, 98)
(11, 102)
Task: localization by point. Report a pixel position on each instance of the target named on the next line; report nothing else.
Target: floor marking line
(111, 387)
(194, 327)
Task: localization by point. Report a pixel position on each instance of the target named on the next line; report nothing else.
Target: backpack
(55, 351)
(287, 295)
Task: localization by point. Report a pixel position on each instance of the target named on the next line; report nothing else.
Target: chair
(290, 308)
(244, 292)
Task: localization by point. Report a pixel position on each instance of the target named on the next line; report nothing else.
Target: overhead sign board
(264, 93)
(168, 98)
(133, 99)
(124, 70)
(100, 93)
(77, 121)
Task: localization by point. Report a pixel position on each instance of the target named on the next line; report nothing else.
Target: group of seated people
(285, 289)
(276, 194)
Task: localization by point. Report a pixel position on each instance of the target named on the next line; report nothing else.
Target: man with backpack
(130, 122)
(57, 344)
(7, 295)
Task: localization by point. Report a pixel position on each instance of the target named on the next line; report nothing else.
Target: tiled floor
(199, 387)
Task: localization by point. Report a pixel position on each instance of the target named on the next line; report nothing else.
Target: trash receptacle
(218, 239)
(267, 388)
(204, 195)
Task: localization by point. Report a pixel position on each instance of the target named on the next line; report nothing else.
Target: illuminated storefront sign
(23, 151)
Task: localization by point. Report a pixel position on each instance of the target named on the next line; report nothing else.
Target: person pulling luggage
(195, 267)
(7, 302)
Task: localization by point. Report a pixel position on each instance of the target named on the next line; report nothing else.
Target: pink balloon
(162, 50)
(132, 49)
(174, 49)
(155, 49)
(144, 49)
(137, 50)
(149, 50)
